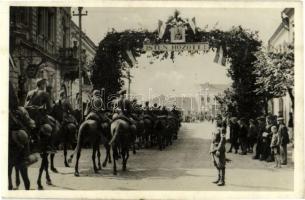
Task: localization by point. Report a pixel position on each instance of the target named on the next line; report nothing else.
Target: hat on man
(122, 92)
(62, 93)
(280, 119)
(96, 92)
(22, 137)
(40, 81)
(261, 118)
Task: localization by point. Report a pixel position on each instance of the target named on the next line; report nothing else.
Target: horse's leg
(114, 152)
(52, 155)
(65, 154)
(118, 152)
(134, 148)
(40, 172)
(17, 176)
(127, 156)
(107, 154)
(25, 177)
(99, 157)
(10, 170)
(46, 168)
(93, 158)
(76, 173)
(159, 137)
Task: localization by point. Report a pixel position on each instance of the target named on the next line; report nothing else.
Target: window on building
(19, 15)
(280, 49)
(64, 37)
(40, 21)
(51, 25)
(24, 16)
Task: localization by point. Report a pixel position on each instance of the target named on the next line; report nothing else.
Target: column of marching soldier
(42, 124)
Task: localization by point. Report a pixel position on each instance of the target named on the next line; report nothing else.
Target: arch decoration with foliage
(240, 46)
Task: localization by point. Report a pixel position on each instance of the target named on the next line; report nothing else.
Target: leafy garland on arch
(239, 45)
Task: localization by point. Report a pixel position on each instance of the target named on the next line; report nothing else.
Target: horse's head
(25, 118)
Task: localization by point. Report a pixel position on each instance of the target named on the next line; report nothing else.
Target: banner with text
(177, 47)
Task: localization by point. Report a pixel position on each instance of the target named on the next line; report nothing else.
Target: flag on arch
(131, 58)
(192, 24)
(220, 56)
(161, 28)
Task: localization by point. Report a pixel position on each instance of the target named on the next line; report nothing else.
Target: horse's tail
(114, 132)
(81, 130)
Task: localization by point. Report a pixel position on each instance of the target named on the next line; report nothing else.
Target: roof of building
(86, 38)
(289, 12)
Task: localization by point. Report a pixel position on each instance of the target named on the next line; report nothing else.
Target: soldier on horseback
(66, 110)
(38, 104)
(125, 108)
(96, 111)
(20, 124)
(146, 108)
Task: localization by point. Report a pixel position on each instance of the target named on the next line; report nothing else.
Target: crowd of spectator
(265, 137)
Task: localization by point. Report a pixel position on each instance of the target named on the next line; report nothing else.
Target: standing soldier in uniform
(218, 152)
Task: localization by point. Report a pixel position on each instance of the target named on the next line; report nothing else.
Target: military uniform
(38, 104)
(95, 111)
(218, 152)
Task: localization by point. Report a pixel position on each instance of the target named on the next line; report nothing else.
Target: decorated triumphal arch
(234, 49)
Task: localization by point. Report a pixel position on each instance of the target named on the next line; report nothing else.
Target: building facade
(89, 51)
(36, 36)
(279, 41)
(41, 46)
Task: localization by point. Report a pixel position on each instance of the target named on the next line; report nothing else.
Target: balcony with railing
(68, 59)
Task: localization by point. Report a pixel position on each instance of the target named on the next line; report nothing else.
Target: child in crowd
(275, 146)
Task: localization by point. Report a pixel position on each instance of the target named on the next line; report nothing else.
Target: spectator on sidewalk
(284, 140)
(275, 146)
(234, 130)
(260, 130)
(272, 121)
(267, 135)
(252, 135)
(242, 136)
(290, 127)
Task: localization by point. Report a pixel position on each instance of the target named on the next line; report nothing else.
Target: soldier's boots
(222, 178)
(219, 177)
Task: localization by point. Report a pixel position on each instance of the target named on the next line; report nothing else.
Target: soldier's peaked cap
(280, 118)
(40, 80)
(95, 92)
(122, 92)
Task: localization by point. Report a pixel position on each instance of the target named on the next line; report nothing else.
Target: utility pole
(80, 68)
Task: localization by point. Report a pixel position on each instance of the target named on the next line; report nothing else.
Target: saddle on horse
(129, 119)
(100, 117)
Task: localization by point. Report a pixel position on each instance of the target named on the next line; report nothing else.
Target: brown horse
(19, 125)
(148, 130)
(122, 138)
(91, 131)
(67, 134)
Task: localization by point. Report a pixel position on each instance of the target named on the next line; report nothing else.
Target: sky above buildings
(183, 76)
